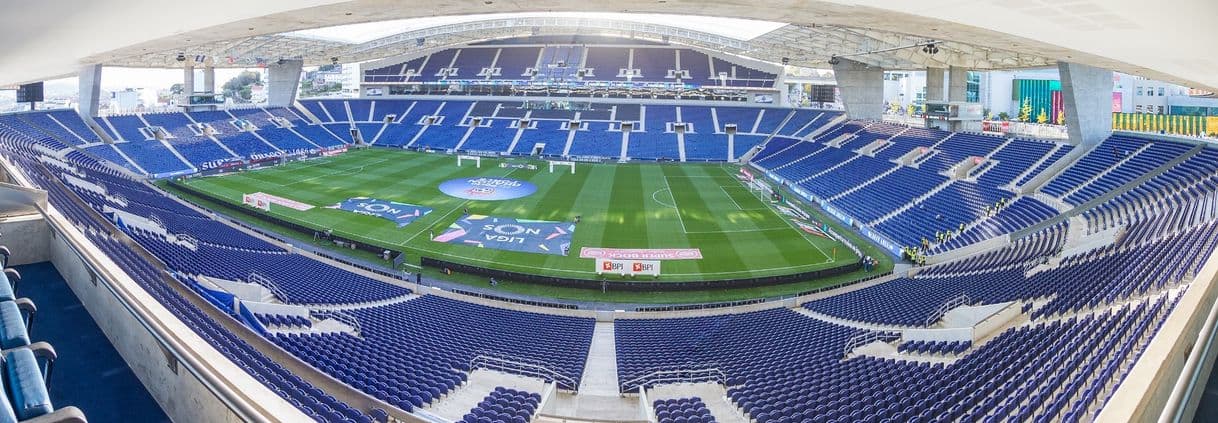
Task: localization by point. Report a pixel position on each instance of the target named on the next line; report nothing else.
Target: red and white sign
(256, 201)
(263, 201)
(333, 151)
(628, 267)
(641, 254)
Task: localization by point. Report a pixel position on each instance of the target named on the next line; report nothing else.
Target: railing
(958, 301)
(189, 241)
(157, 220)
(267, 283)
(867, 338)
(341, 316)
(519, 366)
(687, 375)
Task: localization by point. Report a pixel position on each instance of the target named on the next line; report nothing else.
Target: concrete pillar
(862, 89)
(188, 79)
(1087, 94)
(209, 79)
(934, 85)
(957, 84)
(89, 80)
(283, 81)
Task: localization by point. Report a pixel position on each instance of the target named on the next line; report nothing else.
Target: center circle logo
(487, 188)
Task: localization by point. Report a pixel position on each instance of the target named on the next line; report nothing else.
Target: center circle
(487, 188)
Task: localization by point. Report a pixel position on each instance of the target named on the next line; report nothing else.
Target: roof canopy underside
(1122, 35)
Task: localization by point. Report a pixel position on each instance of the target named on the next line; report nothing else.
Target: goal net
(561, 165)
(476, 159)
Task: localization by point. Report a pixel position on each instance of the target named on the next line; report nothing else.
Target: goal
(560, 164)
(476, 159)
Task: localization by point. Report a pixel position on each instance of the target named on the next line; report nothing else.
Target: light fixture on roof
(930, 49)
(786, 61)
(181, 57)
(833, 60)
(334, 60)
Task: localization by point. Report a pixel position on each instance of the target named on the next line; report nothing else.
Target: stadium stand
(691, 410)
(558, 63)
(1087, 310)
(504, 405)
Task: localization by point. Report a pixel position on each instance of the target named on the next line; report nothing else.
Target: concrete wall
(27, 237)
(935, 88)
(862, 89)
(1087, 91)
(957, 85)
(283, 80)
(89, 86)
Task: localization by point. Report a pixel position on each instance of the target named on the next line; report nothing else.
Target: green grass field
(622, 205)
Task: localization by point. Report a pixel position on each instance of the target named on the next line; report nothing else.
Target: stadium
(561, 211)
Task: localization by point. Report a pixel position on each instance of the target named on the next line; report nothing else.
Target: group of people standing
(917, 254)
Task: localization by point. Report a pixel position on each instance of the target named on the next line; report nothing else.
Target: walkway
(89, 374)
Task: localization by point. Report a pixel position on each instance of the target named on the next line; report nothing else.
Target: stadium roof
(54, 38)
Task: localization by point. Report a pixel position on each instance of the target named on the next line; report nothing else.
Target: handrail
(518, 365)
(686, 375)
(956, 301)
(339, 315)
(867, 338)
(257, 278)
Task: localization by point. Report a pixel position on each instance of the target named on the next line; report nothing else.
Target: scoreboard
(30, 93)
(822, 93)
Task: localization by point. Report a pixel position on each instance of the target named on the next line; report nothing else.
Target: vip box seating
(411, 353)
(26, 365)
(504, 405)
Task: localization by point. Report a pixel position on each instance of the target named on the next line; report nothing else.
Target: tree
(1042, 117)
(1061, 117)
(1004, 116)
(1025, 112)
(240, 85)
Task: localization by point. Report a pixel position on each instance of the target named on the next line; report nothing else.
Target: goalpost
(477, 160)
(561, 164)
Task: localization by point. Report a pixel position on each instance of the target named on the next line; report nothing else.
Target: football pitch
(627, 206)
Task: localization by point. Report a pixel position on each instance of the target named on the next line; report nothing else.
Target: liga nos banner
(628, 267)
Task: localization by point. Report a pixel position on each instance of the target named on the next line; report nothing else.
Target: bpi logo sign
(628, 267)
(487, 188)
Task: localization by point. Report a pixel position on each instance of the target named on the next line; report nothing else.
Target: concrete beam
(209, 79)
(935, 90)
(89, 85)
(1087, 94)
(957, 87)
(283, 79)
(188, 79)
(862, 88)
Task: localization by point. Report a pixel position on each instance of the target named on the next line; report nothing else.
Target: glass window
(1160, 91)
